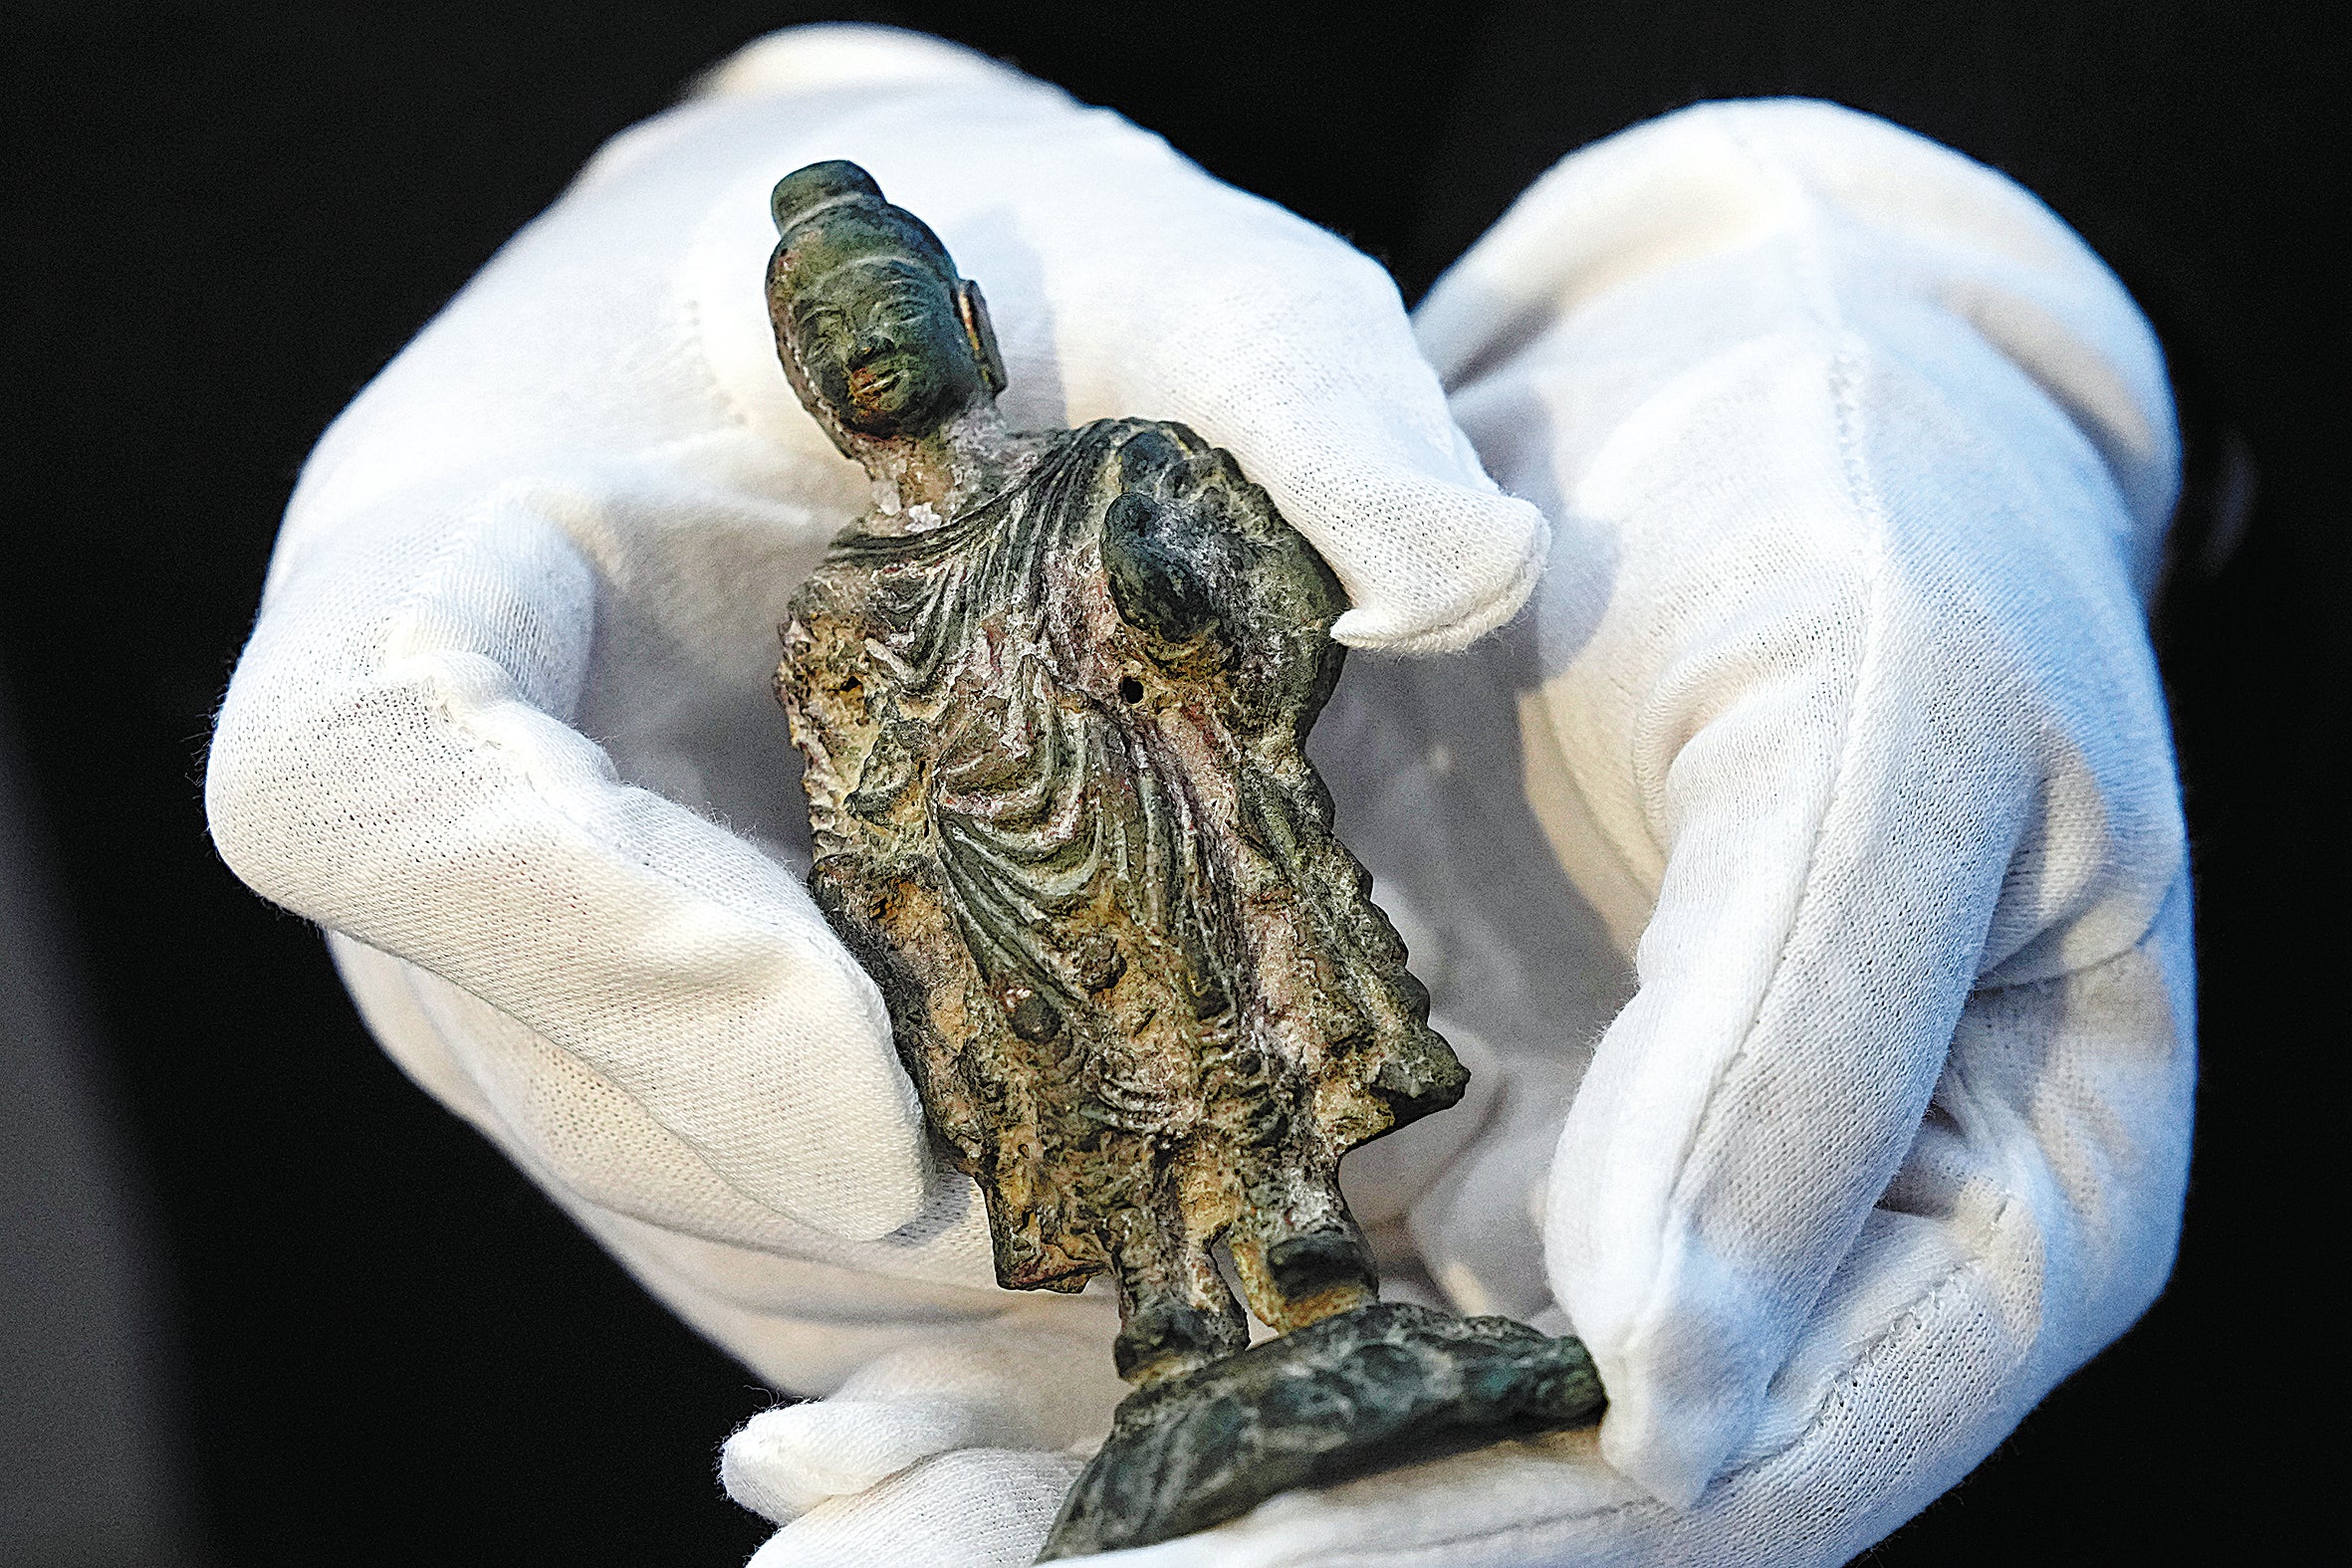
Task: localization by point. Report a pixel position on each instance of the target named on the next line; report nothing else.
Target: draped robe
(1065, 816)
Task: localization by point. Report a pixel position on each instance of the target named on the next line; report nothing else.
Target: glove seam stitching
(1913, 1315)
(2146, 935)
(1862, 497)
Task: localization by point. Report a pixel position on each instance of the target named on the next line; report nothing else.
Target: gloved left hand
(505, 725)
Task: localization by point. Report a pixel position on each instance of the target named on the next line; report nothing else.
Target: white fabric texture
(1861, 479)
(1801, 874)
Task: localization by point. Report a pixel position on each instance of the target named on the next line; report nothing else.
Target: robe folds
(1065, 816)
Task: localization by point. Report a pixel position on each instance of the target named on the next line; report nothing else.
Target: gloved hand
(505, 724)
(1837, 710)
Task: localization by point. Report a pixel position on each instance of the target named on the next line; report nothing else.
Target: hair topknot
(829, 212)
(805, 192)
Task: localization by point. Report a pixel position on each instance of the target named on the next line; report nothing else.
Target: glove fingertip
(872, 1197)
(1669, 1476)
(751, 1472)
(1426, 603)
(786, 1460)
(1671, 1433)
(846, 1151)
(965, 1508)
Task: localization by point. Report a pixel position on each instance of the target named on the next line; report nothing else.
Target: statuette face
(1053, 695)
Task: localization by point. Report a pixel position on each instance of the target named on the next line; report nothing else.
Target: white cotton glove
(1838, 713)
(505, 724)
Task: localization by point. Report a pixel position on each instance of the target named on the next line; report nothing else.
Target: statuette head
(879, 337)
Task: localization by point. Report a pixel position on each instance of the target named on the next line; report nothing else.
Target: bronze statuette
(1053, 693)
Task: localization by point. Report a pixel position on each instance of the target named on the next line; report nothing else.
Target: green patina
(1054, 694)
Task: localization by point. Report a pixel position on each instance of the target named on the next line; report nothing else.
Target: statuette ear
(973, 310)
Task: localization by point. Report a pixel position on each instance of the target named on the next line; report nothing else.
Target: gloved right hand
(1837, 708)
(505, 725)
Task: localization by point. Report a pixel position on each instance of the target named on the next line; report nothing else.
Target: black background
(221, 221)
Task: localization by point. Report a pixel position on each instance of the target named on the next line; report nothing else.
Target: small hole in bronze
(1130, 689)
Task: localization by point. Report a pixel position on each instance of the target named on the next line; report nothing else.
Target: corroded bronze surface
(1053, 693)
(1386, 1385)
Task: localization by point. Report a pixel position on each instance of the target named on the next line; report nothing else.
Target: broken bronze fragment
(1053, 694)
